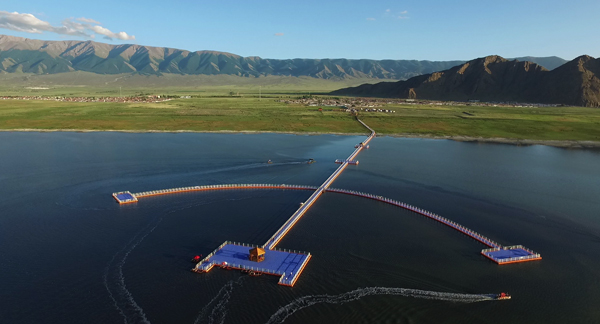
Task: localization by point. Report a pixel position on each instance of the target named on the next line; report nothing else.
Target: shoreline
(458, 138)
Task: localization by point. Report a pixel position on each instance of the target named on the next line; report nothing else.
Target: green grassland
(73, 84)
(547, 123)
(249, 113)
(198, 114)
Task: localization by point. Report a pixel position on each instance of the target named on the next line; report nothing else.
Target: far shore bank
(495, 140)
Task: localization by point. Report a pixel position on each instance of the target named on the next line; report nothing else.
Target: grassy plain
(248, 113)
(213, 108)
(197, 114)
(80, 83)
(547, 123)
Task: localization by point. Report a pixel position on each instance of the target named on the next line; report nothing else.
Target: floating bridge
(289, 264)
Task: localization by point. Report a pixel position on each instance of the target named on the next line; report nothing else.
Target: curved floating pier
(497, 253)
(289, 264)
(423, 212)
(219, 187)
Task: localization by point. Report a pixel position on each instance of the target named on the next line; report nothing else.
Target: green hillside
(22, 55)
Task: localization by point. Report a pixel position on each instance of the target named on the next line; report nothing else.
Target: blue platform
(288, 265)
(507, 254)
(511, 254)
(125, 196)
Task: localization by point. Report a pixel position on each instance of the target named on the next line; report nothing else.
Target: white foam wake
(215, 311)
(286, 311)
(114, 281)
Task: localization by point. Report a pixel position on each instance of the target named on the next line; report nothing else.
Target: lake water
(71, 254)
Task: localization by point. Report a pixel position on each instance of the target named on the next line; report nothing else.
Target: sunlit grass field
(198, 114)
(249, 113)
(548, 123)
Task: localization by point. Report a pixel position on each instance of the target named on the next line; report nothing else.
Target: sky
(436, 30)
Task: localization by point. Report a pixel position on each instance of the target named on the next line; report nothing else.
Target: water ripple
(114, 281)
(215, 311)
(286, 311)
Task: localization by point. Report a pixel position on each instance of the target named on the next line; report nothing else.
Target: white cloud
(108, 34)
(389, 14)
(88, 20)
(371, 18)
(278, 34)
(73, 25)
(28, 23)
(23, 22)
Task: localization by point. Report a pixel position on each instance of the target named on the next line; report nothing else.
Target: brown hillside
(576, 82)
(494, 78)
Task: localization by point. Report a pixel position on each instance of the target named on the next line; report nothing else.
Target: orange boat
(503, 296)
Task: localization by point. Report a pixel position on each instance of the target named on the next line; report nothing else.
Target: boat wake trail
(215, 311)
(114, 281)
(286, 311)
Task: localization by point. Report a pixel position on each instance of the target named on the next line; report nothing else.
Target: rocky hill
(494, 78)
(41, 57)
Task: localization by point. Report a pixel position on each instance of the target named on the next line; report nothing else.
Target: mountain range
(494, 78)
(23, 55)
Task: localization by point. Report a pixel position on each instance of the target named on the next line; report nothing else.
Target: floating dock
(125, 197)
(289, 279)
(423, 212)
(511, 254)
(288, 264)
(497, 253)
(136, 196)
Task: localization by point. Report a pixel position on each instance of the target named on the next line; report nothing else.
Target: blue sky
(423, 30)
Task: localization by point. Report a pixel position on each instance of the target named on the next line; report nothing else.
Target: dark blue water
(71, 254)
